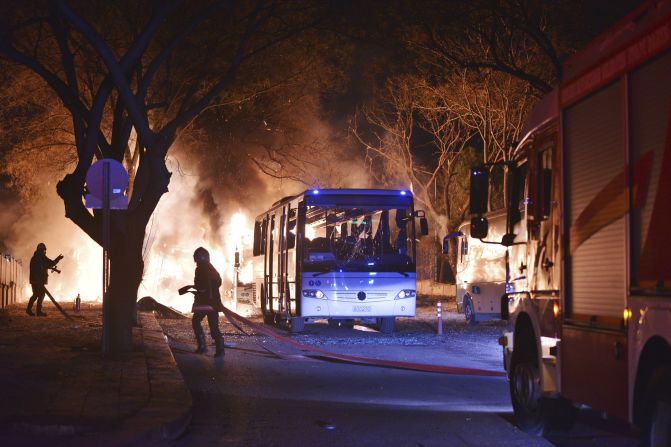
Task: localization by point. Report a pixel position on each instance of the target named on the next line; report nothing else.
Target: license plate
(361, 308)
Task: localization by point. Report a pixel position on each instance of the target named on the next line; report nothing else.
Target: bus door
(282, 261)
(290, 259)
(271, 271)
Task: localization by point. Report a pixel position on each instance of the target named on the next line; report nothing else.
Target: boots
(39, 310)
(29, 309)
(202, 346)
(219, 347)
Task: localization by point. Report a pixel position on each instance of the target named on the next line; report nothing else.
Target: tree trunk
(126, 268)
(127, 230)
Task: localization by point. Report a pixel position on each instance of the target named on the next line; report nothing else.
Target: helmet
(41, 247)
(201, 255)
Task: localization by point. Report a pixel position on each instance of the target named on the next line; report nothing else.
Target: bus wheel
(267, 315)
(469, 312)
(387, 325)
(297, 325)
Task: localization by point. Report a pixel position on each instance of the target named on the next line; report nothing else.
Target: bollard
(440, 318)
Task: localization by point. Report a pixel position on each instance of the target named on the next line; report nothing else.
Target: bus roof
(332, 197)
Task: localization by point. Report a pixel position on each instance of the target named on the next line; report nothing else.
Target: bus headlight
(406, 293)
(313, 293)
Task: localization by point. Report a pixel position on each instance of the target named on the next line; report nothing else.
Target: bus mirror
(508, 239)
(479, 227)
(479, 190)
(423, 226)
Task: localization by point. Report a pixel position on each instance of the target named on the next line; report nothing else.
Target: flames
(171, 266)
(177, 228)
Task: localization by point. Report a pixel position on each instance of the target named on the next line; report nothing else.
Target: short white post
(440, 318)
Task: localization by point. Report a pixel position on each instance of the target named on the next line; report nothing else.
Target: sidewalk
(56, 389)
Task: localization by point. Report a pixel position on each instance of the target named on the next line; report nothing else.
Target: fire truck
(588, 222)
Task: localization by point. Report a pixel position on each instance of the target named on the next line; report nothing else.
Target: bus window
(349, 237)
(258, 239)
(264, 235)
(291, 234)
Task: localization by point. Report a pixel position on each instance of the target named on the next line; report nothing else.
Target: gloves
(185, 289)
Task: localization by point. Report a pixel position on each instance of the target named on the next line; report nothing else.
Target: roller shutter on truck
(650, 136)
(593, 341)
(595, 159)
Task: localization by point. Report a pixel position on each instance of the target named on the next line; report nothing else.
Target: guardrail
(11, 280)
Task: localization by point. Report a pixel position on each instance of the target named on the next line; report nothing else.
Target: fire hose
(314, 352)
(58, 306)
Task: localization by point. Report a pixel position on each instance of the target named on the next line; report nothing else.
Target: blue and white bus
(338, 254)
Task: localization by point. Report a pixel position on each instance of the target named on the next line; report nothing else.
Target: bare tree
(512, 37)
(491, 104)
(396, 157)
(147, 69)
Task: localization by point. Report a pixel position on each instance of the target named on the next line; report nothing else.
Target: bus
(338, 254)
(481, 277)
(588, 249)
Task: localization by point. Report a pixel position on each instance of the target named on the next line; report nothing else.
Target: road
(264, 393)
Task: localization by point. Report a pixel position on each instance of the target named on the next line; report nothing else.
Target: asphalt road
(264, 393)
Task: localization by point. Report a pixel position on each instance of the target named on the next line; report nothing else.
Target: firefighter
(206, 302)
(39, 275)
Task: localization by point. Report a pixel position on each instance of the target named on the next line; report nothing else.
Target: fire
(171, 238)
(194, 213)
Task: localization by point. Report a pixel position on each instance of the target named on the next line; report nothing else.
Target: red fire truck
(588, 236)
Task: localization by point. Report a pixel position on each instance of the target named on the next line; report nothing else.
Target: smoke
(43, 220)
(194, 214)
(215, 193)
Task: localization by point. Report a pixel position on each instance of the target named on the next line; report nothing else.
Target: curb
(168, 412)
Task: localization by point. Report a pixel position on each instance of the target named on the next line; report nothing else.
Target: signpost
(106, 181)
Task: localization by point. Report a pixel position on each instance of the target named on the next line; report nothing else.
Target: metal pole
(440, 318)
(236, 272)
(235, 290)
(105, 244)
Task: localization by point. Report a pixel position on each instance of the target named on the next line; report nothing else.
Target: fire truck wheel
(659, 390)
(469, 312)
(536, 414)
(660, 426)
(525, 392)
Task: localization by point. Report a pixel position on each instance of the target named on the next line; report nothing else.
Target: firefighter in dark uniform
(39, 275)
(206, 302)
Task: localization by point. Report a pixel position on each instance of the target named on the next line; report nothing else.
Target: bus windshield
(365, 238)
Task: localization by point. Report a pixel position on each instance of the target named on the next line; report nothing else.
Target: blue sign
(118, 184)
